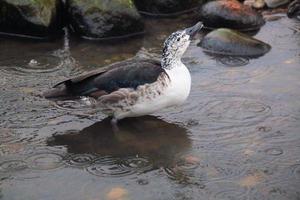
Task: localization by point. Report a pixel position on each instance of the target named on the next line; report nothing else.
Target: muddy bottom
(236, 137)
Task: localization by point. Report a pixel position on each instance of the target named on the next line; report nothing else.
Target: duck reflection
(148, 136)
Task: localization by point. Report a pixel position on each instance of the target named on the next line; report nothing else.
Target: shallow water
(236, 137)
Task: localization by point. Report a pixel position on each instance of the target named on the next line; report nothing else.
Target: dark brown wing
(94, 73)
(125, 74)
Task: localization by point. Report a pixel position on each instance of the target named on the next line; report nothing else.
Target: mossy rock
(100, 19)
(166, 7)
(30, 18)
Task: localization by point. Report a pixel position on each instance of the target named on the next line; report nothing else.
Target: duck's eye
(178, 39)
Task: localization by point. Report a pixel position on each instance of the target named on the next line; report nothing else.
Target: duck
(134, 88)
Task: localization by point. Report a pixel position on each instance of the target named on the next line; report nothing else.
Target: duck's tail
(59, 92)
(71, 89)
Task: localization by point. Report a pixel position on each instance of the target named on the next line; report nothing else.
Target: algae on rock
(32, 18)
(97, 19)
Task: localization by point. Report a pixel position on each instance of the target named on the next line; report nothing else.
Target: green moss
(104, 18)
(38, 12)
(104, 4)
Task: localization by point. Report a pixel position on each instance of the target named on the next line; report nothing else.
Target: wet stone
(117, 193)
(230, 14)
(26, 18)
(225, 41)
(104, 19)
(275, 3)
(258, 4)
(166, 7)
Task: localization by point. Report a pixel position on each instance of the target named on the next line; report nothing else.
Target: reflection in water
(140, 145)
(233, 61)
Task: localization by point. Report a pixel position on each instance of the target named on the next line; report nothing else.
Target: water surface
(236, 137)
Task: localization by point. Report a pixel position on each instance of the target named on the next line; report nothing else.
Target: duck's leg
(114, 124)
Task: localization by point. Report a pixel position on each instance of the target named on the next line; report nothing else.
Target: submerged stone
(165, 7)
(257, 4)
(224, 41)
(230, 14)
(276, 3)
(28, 18)
(99, 19)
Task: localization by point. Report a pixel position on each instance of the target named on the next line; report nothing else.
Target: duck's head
(177, 43)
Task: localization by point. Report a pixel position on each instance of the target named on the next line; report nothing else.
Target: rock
(224, 41)
(99, 19)
(275, 3)
(294, 9)
(230, 14)
(117, 193)
(27, 18)
(257, 4)
(166, 7)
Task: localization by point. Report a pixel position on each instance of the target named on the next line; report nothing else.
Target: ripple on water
(29, 118)
(183, 170)
(39, 64)
(235, 111)
(220, 119)
(224, 166)
(217, 76)
(212, 78)
(116, 167)
(7, 135)
(10, 166)
(296, 171)
(223, 119)
(39, 158)
(292, 172)
(226, 191)
(80, 104)
(80, 160)
(274, 151)
(211, 167)
(45, 161)
(231, 77)
(276, 191)
(233, 61)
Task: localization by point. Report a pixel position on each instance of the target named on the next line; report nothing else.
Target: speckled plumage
(136, 87)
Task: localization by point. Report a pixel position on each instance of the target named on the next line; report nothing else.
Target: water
(236, 137)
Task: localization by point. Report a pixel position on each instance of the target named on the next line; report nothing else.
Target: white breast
(174, 93)
(180, 85)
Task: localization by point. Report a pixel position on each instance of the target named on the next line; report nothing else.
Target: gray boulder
(228, 42)
(27, 18)
(100, 19)
(230, 14)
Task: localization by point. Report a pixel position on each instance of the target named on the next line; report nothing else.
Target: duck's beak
(192, 31)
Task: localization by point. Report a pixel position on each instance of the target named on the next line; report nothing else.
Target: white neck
(170, 61)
